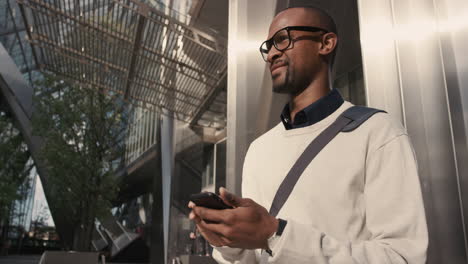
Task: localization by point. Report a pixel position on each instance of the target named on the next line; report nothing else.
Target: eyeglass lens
(280, 40)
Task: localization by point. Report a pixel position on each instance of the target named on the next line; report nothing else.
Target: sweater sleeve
(395, 218)
(227, 255)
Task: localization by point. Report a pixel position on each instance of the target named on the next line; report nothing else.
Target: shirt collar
(313, 113)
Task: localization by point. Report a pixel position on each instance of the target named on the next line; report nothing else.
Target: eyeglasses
(282, 39)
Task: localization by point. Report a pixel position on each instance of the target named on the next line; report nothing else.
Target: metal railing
(141, 134)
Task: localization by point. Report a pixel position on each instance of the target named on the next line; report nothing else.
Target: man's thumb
(229, 198)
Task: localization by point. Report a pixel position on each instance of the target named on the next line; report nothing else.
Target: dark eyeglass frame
(271, 43)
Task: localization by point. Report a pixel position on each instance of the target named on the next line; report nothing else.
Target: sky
(40, 202)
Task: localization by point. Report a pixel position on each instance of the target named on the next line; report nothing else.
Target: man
(358, 201)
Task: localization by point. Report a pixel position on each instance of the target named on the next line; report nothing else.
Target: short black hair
(325, 17)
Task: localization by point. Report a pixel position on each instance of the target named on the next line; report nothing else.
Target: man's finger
(218, 229)
(212, 215)
(194, 217)
(229, 198)
(213, 237)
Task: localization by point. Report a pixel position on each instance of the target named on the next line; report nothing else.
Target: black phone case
(209, 200)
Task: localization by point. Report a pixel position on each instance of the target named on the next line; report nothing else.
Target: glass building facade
(13, 36)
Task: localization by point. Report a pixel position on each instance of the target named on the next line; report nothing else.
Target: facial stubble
(284, 87)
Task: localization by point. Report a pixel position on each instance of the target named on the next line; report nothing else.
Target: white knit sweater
(359, 201)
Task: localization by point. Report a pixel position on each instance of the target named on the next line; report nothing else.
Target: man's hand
(247, 226)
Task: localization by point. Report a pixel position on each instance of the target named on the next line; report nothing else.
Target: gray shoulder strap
(359, 115)
(346, 122)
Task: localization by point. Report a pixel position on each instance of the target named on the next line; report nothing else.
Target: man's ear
(329, 42)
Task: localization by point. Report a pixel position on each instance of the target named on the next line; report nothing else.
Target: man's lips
(276, 66)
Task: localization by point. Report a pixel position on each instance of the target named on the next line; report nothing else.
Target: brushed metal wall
(415, 67)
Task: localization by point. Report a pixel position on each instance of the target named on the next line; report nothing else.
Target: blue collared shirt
(313, 113)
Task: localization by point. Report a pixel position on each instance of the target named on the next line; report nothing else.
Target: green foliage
(83, 131)
(14, 166)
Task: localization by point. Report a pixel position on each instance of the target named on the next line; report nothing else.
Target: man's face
(292, 70)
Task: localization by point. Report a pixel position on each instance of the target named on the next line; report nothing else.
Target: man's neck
(316, 90)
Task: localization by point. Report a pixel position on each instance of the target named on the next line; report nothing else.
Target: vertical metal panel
(453, 27)
(157, 247)
(379, 56)
(247, 80)
(406, 36)
(167, 169)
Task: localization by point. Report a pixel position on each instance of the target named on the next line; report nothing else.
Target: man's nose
(273, 54)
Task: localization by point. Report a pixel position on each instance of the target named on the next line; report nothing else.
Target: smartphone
(209, 200)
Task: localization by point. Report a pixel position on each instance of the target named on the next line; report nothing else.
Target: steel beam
(18, 96)
(19, 41)
(209, 99)
(5, 32)
(143, 12)
(26, 24)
